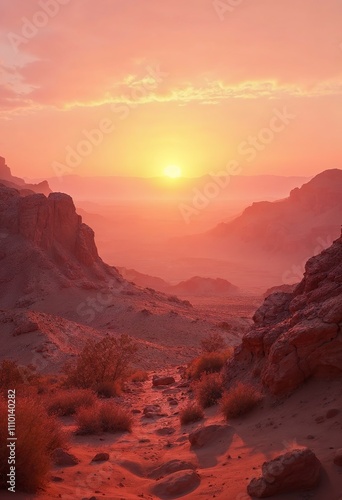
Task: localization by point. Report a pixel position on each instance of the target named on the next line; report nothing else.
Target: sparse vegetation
(103, 417)
(209, 389)
(105, 362)
(191, 413)
(66, 402)
(214, 342)
(211, 362)
(139, 376)
(13, 375)
(38, 435)
(239, 400)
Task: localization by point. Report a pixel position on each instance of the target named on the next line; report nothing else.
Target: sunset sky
(186, 83)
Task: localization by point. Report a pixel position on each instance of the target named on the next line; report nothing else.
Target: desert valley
(170, 250)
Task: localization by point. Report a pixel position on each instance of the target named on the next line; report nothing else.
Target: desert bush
(64, 402)
(239, 400)
(106, 361)
(108, 389)
(191, 413)
(209, 389)
(38, 434)
(210, 362)
(13, 375)
(214, 342)
(103, 417)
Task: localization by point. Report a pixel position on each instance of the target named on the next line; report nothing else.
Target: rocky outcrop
(23, 187)
(294, 471)
(296, 335)
(51, 223)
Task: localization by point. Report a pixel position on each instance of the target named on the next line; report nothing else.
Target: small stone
(101, 457)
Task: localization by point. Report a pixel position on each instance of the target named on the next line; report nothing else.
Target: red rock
(158, 381)
(63, 458)
(209, 434)
(177, 484)
(101, 457)
(294, 471)
(170, 467)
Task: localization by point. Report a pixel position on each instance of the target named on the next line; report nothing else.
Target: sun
(173, 171)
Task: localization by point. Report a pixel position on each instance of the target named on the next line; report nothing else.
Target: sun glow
(173, 171)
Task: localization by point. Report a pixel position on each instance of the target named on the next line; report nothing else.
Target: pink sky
(170, 83)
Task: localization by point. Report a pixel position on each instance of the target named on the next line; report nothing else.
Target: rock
(177, 484)
(101, 457)
(63, 458)
(158, 381)
(170, 467)
(296, 335)
(209, 434)
(151, 411)
(338, 457)
(172, 401)
(294, 471)
(165, 431)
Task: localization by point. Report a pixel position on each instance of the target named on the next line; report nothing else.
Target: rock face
(296, 470)
(296, 335)
(9, 180)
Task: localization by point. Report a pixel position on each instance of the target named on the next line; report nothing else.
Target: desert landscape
(170, 250)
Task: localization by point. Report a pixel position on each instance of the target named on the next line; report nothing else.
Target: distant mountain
(279, 235)
(199, 286)
(7, 179)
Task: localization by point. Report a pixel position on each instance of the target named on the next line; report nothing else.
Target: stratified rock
(209, 434)
(296, 335)
(63, 458)
(177, 484)
(294, 471)
(157, 381)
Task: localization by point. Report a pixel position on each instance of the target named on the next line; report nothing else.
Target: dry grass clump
(211, 362)
(239, 400)
(139, 376)
(209, 389)
(38, 434)
(103, 417)
(191, 413)
(65, 402)
(214, 342)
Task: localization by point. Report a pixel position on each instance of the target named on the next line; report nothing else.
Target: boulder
(177, 484)
(294, 471)
(101, 457)
(170, 467)
(208, 434)
(164, 380)
(63, 458)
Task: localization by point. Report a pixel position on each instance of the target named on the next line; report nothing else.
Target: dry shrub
(13, 376)
(239, 400)
(211, 362)
(214, 342)
(38, 434)
(191, 413)
(108, 389)
(103, 417)
(105, 362)
(66, 402)
(209, 389)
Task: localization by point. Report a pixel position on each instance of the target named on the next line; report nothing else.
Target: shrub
(106, 361)
(38, 434)
(108, 389)
(66, 402)
(209, 389)
(239, 400)
(104, 417)
(13, 375)
(213, 342)
(191, 413)
(211, 362)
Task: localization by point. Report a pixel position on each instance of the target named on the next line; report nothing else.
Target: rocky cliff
(296, 335)
(9, 180)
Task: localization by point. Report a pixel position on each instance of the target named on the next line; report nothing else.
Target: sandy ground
(225, 466)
